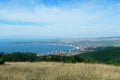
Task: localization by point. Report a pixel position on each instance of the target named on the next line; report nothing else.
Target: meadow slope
(58, 71)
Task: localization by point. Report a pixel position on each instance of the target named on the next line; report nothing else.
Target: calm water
(32, 47)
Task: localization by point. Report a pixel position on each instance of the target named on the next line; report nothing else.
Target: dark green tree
(2, 58)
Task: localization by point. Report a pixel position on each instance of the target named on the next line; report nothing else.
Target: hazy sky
(59, 18)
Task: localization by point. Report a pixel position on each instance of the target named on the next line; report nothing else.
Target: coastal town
(83, 45)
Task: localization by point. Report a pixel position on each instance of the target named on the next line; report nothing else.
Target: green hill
(110, 55)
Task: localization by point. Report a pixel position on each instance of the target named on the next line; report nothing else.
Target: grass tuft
(58, 71)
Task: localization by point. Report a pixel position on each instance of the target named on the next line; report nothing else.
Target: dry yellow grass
(58, 71)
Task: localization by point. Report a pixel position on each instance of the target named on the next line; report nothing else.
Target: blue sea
(39, 48)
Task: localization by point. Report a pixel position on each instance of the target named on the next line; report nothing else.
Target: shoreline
(73, 47)
(58, 52)
(61, 52)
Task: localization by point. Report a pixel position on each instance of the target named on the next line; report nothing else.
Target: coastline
(60, 51)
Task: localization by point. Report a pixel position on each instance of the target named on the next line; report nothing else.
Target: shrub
(2, 58)
(1, 61)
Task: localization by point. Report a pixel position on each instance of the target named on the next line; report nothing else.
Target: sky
(59, 18)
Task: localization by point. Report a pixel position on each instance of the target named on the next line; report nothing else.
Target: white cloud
(86, 20)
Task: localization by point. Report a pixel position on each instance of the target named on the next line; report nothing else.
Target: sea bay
(38, 48)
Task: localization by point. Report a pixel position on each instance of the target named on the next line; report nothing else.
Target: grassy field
(58, 71)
